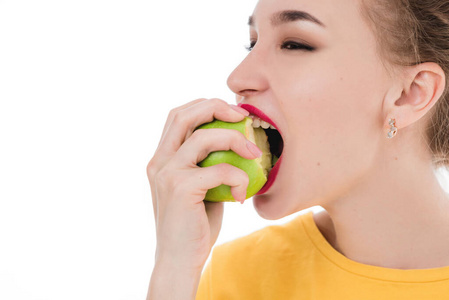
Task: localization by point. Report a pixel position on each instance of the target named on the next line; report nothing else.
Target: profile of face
(314, 70)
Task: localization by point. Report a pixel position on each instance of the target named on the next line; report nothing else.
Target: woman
(357, 90)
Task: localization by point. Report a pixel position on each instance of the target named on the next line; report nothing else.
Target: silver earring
(393, 129)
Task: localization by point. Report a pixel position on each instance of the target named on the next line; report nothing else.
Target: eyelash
(297, 46)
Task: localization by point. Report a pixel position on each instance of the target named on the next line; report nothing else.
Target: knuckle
(179, 118)
(181, 107)
(151, 168)
(236, 138)
(203, 140)
(168, 178)
(180, 188)
(197, 134)
(226, 169)
(222, 168)
(218, 136)
(241, 175)
(172, 112)
(162, 177)
(175, 109)
(217, 102)
(237, 135)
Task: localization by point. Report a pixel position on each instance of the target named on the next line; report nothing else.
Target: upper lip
(258, 113)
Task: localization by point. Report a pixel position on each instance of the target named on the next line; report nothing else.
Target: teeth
(260, 123)
(265, 125)
(256, 123)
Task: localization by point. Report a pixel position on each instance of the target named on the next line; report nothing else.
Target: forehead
(336, 15)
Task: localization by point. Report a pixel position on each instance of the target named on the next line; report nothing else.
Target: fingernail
(254, 149)
(239, 109)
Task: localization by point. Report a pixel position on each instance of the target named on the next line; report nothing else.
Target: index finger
(185, 121)
(173, 112)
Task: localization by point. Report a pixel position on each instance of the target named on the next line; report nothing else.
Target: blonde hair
(410, 32)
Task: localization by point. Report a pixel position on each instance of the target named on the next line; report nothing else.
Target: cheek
(331, 105)
(333, 129)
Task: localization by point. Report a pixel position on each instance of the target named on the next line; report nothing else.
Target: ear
(422, 86)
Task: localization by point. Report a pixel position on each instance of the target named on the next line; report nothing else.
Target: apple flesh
(257, 169)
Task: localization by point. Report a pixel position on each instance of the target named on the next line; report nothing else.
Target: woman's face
(323, 86)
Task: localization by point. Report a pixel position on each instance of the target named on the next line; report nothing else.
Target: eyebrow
(287, 16)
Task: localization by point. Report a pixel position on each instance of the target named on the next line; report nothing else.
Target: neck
(398, 217)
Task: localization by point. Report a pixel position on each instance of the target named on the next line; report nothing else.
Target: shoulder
(272, 254)
(273, 241)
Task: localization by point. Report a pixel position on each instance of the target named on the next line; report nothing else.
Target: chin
(269, 207)
(280, 205)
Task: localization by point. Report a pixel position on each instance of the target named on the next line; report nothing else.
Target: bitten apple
(257, 169)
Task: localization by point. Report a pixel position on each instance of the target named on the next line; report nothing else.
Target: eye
(251, 45)
(290, 45)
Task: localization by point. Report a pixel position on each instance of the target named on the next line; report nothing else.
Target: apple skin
(253, 167)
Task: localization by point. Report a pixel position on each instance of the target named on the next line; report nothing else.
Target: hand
(186, 226)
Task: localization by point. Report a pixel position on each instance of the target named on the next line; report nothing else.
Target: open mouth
(274, 137)
(275, 140)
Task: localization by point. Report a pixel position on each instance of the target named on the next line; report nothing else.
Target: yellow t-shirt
(295, 261)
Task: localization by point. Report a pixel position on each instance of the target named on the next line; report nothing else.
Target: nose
(249, 77)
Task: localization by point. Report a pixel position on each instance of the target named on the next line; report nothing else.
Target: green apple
(257, 169)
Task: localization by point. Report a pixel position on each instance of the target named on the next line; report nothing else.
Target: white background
(85, 87)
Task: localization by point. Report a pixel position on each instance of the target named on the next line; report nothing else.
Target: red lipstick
(258, 113)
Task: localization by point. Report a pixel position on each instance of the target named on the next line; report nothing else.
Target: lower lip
(271, 177)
